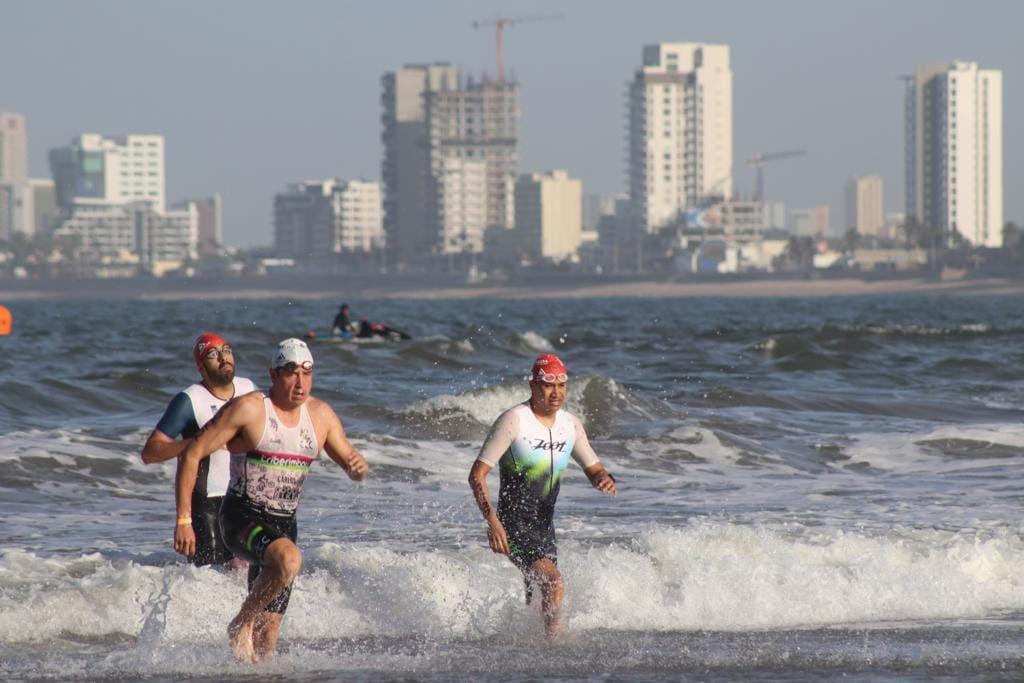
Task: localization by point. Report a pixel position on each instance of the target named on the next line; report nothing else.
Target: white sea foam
(708, 575)
(903, 452)
(486, 404)
(535, 342)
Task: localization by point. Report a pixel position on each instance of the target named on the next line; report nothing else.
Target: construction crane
(760, 159)
(500, 23)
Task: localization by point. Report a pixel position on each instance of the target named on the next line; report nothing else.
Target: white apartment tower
(461, 198)
(94, 170)
(549, 215)
(112, 193)
(864, 211)
(954, 150)
(13, 148)
(317, 218)
(680, 131)
(405, 169)
(360, 214)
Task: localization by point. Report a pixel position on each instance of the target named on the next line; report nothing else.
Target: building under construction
(450, 160)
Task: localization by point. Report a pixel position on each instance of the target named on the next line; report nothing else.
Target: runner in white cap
(273, 441)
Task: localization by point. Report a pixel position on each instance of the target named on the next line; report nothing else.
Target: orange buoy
(5, 320)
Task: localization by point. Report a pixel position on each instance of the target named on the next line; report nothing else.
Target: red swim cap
(205, 341)
(549, 368)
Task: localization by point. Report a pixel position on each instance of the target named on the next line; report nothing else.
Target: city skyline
(245, 114)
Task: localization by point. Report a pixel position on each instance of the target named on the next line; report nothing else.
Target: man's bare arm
(600, 479)
(225, 425)
(160, 447)
(339, 448)
(496, 536)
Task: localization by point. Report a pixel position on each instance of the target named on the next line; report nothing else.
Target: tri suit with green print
(531, 458)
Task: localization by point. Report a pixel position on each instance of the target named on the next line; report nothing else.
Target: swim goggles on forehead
(213, 352)
(551, 377)
(292, 366)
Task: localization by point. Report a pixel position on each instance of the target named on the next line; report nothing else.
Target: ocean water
(809, 489)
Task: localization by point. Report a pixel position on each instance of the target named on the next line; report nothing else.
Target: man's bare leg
(264, 634)
(546, 576)
(236, 564)
(281, 563)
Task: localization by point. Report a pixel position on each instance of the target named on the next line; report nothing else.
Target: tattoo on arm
(211, 422)
(482, 496)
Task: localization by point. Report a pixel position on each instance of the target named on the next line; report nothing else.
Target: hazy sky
(253, 95)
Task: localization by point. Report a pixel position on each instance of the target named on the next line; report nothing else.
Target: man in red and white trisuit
(273, 441)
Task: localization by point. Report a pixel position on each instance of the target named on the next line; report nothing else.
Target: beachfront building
(405, 170)
(315, 219)
(27, 208)
(210, 232)
(94, 170)
(811, 222)
(479, 122)
(161, 241)
(16, 216)
(680, 132)
(549, 215)
(13, 148)
(954, 151)
(863, 209)
(360, 217)
(438, 130)
(460, 211)
(111, 192)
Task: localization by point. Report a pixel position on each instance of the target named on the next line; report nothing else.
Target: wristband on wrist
(182, 521)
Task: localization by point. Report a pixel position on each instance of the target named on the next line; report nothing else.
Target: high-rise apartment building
(954, 150)
(13, 148)
(405, 170)
(160, 240)
(863, 207)
(112, 194)
(812, 222)
(210, 232)
(16, 212)
(315, 219)
(460, 199)
(360, 217)
(479, 122)
(549, 215)
(680, 131)
(438, 131)
(96, 170)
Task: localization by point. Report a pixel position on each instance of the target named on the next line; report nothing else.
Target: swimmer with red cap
(186, 414)
(531, 444)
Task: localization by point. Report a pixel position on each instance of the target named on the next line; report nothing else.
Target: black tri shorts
(529, 539)
(210, 548)
(248, 532)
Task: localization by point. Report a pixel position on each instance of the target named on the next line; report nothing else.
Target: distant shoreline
(429, 288)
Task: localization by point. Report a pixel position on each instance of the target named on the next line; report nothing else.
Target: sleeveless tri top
(186, 415)
(269, 478)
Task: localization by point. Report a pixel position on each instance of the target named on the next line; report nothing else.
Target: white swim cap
(292, 351)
